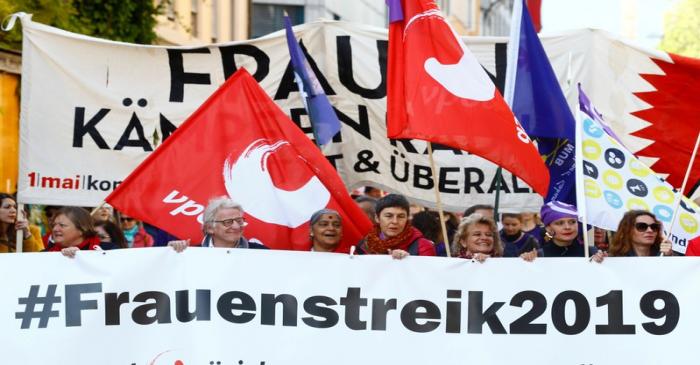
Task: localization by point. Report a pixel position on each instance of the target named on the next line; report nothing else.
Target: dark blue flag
(537, 101)
(323, 119)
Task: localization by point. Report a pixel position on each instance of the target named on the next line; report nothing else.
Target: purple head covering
(557, 210)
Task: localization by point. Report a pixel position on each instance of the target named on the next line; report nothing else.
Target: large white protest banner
(92, 109)
(228, 307)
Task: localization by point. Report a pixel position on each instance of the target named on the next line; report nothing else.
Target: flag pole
(19, 238)
(499, 177)
(580, 193)
(685, 182)
(95, 209)
(437, 200)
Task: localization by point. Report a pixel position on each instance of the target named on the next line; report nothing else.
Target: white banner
(92, 109)
(216, 306)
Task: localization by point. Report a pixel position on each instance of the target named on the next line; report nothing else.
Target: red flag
(438, 92)
(534, 7)
(240, 144)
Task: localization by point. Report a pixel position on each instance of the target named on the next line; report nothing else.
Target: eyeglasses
(642, 227)
(229, 222)
(127, 219)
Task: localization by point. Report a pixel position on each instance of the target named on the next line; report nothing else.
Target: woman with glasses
(111, 236)
(136, 236)
(223, 227)
(639, 234)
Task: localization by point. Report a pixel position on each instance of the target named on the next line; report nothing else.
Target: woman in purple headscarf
(561, 232)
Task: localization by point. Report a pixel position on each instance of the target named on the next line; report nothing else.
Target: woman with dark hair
(393, 233)
(561, 232)
(73, 231)
(10, 224)
(639, 234)
(111, 236)
(326, 230)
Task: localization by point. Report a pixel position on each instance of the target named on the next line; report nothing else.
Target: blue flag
(536, 99)
(323, 119)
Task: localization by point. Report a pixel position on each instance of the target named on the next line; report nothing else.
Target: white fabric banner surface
(92, 109)
(227, 307)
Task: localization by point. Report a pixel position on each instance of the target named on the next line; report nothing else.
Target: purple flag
(324, 121)
(395, 10)
(588, 108)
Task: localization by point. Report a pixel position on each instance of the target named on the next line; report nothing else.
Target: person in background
(428, 223)
(160, 237)
(326, 229)
(73, 231)
(477, 238)
(373, 192)
(50, 212)
(561, 232)
(111, 236)
(10, 223)
(367, 204)
(533, 226)
(484, 209)
(413, 210)
(392, 233)
(104, 212)
(223, 227)
(136, 236)
(601, 239)
(516, 242)
(639, 234)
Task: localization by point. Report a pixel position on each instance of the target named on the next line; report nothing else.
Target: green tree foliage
(682, 29)
(120, 20)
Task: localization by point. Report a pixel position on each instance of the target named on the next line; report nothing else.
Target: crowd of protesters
(400, 229)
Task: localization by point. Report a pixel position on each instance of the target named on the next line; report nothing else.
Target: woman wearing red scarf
(393, 233)
(73, 230)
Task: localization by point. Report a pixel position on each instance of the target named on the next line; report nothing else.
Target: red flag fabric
(438, 92)
(534, 7)
(240, 144)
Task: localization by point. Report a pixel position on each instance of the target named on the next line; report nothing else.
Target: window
(268, 18)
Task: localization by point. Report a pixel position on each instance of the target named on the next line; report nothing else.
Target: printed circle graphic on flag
(591, 149)
(592, 129)
(615, 158)
(663, 213)
(590, 169)
(637, 203)
(637, 187)
(688, 222)
(612, 179)
(663, 194)
(638, 168)
(591, 189)
(613, 199)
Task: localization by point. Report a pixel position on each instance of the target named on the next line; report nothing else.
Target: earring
(548, 236)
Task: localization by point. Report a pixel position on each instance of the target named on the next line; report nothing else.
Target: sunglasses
(642, 227)
(127, 219)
